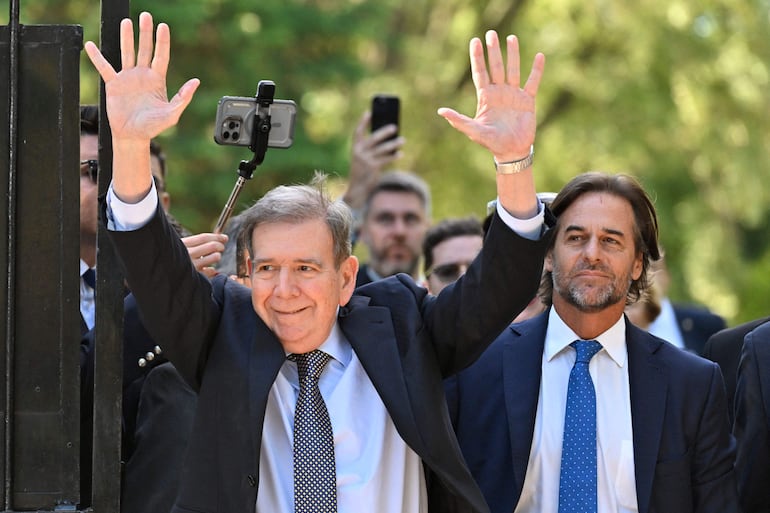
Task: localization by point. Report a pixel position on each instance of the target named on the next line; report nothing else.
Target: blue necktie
(315, 474)
(577, 482)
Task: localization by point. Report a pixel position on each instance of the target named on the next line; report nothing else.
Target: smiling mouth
(290, 312)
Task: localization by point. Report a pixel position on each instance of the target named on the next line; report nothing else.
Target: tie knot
(586, 349)
(89, 276)
(310, 365)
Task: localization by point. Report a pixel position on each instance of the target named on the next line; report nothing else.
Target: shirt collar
(558, 336)
(336, 344)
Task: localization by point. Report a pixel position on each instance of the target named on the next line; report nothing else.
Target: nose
(399, 225)
(592, 249)
(285, 284)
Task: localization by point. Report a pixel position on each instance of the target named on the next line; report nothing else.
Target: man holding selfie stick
(312, 398)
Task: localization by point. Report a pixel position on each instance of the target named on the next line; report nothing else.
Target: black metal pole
(13, 111)
(108, 377)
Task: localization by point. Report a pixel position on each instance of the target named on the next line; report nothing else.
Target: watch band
(516, 166)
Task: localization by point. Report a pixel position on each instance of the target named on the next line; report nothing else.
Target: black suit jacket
(406, 340)
(683, 451)
(156, 420)
(159, 436)
(363, 278)
(724, 348)
(752, 421)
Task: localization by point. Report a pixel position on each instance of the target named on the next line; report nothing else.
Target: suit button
(252, 480)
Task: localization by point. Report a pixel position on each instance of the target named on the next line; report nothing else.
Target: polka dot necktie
(577, 482)
(315, 475)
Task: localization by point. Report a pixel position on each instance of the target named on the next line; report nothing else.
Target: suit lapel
(369, 329)
(522, 371)
(648, 379)
(265, 359)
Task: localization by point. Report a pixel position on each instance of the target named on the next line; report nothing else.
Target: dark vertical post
(109, 307)
(40, 330)
(11, 116)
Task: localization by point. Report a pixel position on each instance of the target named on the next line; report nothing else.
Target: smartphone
(385, 109)
(235, 121)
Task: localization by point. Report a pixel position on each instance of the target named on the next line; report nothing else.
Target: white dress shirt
(374, 464)
(616, 484)
(376, 470)
(87, 299)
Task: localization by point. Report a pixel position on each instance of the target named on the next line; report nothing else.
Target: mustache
(592, 267)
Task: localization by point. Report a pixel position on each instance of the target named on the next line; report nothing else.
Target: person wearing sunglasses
(448, 250)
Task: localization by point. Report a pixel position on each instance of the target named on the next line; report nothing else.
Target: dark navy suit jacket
(724, 348)
(683, 450)
(752, 421)
(406, 340)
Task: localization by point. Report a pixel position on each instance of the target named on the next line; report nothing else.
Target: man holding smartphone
(391, 210)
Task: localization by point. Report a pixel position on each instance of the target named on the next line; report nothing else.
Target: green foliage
(670, 91)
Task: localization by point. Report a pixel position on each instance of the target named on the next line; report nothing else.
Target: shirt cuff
(126, 217)
(530, 228)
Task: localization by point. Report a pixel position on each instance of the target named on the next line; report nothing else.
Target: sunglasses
(447, 273)
(89, 168)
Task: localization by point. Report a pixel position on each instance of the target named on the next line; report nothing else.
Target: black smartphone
(385, 110)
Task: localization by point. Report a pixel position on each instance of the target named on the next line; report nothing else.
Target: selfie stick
(260, 135)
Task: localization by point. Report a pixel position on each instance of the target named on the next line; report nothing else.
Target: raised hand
(137, 102)
(505, 119)
(370, 154)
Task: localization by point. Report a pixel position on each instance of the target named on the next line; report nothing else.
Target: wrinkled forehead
(598, 212)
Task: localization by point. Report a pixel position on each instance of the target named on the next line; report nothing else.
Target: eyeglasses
(447, 273)
(89, 168)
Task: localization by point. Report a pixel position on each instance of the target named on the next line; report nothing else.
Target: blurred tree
(672, 92)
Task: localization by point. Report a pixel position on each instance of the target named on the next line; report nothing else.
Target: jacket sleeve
(178, 305)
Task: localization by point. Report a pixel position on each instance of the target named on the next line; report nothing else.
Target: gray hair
(299, 203)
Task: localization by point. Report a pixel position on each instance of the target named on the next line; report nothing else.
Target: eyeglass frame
(93, 169)
(438, 271)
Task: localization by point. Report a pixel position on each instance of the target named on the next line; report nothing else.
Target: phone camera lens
(232, 125)
(236, 135)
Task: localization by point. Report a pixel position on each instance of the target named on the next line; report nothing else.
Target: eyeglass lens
(92, 167)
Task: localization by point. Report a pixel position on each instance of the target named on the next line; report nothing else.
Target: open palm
(138, 107)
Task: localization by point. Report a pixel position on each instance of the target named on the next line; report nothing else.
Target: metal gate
(40, 433)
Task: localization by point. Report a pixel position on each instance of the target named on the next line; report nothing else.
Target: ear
(638, 267)
(548, 262)
(347, 274)
(249, 266)
(165, 200)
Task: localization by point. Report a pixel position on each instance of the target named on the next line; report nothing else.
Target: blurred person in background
(394, 219)
(686, 326)
(448, 250)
